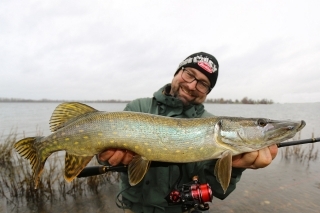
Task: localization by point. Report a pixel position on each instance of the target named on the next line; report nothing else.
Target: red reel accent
(201, 192)
(175, 196)
(195, 193)
(206, 192)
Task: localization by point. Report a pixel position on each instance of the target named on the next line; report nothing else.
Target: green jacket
(148, 196)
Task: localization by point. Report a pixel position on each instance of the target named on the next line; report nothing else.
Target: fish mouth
(302, 125)
(295, 126)
(287, 129)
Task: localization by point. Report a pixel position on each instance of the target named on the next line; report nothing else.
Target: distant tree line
(48, 100)
(244, 100)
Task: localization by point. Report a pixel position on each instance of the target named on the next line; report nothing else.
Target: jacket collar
(173, 107)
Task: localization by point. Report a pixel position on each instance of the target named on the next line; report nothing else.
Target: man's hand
(116, 156)
(255, 160)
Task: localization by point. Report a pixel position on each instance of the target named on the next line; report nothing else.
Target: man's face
(187, 92)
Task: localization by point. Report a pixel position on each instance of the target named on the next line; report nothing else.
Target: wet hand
(116, 156)
(255, 160)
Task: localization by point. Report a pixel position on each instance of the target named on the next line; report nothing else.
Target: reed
(303, 153)
(17, 186)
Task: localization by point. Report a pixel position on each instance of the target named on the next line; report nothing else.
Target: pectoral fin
(137, 169)
(74, 165)
(223, 169)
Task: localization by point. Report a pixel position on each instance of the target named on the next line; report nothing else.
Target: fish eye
(262, 122)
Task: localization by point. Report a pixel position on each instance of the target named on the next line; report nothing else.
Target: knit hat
(205, 63)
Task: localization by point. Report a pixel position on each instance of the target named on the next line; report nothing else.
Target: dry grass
(17, 187)
(304, 153)
(16, 183)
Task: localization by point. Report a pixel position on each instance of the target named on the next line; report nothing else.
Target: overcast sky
(99, 50)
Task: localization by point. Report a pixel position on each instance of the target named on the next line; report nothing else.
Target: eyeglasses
(188, 77)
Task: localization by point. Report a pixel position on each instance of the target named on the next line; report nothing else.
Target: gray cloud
(110, 50)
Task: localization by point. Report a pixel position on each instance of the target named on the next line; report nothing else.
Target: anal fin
(74, 164)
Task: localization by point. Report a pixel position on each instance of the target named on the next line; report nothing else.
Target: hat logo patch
(204, 62)
(206, 66)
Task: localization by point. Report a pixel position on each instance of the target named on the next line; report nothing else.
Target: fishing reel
(193, 195)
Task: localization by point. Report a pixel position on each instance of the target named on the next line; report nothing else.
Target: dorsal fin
(66, 112)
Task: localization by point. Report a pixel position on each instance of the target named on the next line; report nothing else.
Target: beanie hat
(205, 63)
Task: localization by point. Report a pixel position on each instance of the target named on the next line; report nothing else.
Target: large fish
(82, 132)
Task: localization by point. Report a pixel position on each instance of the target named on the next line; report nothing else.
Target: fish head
(250, 134)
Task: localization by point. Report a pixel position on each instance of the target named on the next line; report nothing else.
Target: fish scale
(82, 132)
(144, 134)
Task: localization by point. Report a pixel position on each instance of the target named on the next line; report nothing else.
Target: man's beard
(183, 99)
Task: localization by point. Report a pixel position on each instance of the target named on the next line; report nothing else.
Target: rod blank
(299, 142)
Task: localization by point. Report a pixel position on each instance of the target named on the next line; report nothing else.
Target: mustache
(185, 87)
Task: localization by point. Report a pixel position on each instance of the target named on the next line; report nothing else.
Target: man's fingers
(127, 157)
(245, 160)
(264, 158)
(257, 159)
(117, 157)
(105, 155)
(273, 150)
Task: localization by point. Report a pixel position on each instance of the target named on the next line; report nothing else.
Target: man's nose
(192, 85)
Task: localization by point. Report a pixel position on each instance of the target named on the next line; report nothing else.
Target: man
(183, 98)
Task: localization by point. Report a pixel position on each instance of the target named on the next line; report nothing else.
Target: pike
(83, 131)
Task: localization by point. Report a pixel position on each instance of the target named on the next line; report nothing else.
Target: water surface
(287, 185)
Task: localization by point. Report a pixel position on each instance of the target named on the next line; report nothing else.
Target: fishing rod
(299, 142)
(194, 194)
(98, 170)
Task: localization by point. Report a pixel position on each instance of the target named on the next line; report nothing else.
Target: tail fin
(28, 148)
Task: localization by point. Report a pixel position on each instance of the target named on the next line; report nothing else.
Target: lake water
(287, 185)
(30, 118)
